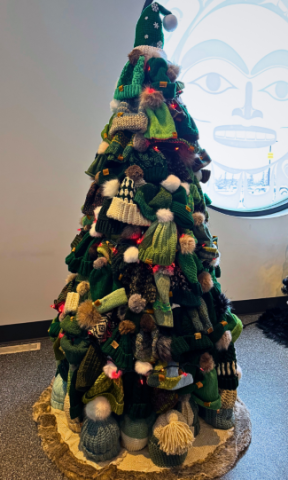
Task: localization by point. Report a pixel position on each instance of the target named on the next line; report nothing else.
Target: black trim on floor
(27, 331)
(24, 331)
(258, 305)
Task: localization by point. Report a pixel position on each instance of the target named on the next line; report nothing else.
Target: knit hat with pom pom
(149, 27)
(99, 438)
(112, 390)
(165, 447)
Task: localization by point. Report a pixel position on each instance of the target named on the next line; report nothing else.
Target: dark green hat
(149, 26)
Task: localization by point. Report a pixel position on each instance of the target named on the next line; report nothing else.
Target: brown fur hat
(83, 288)
(126, 326)
(206, 281)
(134, 172)
(198, 218)
(147, 323)
(134, 56)
(151, 98)
(136, 303)
(187, 244)
(206, 362)
(87, 315)
(173, 72)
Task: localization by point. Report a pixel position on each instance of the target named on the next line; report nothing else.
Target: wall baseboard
(31, 330)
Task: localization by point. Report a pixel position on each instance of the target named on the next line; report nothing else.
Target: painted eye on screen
(277, 90)
(212, 83)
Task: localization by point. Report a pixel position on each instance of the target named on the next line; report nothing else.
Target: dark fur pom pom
(222, 303)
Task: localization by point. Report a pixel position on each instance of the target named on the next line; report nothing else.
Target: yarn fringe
(175, 438)
(218, 463)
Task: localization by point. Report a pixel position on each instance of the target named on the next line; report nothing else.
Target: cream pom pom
(98, 409)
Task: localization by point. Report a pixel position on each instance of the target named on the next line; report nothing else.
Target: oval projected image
(234, 59)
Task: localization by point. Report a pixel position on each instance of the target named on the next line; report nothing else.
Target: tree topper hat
(149, 27)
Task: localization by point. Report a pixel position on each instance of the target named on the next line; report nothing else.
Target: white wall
(59, 63)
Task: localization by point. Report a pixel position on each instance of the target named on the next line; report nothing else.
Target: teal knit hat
(59, 390)
(99, 439)
(135, 432)
(149, 26)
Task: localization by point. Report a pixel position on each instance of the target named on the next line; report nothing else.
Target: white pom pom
(164, 215)
(170, 22)
(98, 409)
(110, 188)
(114, 104)
(143, 368)
(131, 255)
(171, 183)
(102, 147)
(111, 371)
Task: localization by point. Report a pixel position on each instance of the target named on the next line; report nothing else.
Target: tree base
(213, 454)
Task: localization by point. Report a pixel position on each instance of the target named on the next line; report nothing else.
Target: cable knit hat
(131, 80)
(149, 26)
(59, 390)
(171, 439)
(135, 432)
(99, 439)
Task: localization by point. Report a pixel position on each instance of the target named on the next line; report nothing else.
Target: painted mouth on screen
(244, 137)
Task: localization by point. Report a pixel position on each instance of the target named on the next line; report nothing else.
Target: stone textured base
(213, 454)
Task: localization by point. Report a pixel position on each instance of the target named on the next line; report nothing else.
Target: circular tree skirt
(213, 454)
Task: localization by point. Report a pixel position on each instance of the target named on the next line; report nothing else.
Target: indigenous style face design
(234, 58)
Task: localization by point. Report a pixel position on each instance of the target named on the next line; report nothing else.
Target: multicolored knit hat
(168, 377)
(135, 432)
(149, 26)
(171, 439)
(129, 118)
(145, 346)
(153, 164)
(122, 207)
(99, 439)
(159, 244)
(59, 390)
(110, 389)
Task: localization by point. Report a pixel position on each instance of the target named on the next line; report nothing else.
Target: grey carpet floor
(264, 389)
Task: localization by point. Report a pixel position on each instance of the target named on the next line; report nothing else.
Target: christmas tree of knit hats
(149, 27)
(141, 322)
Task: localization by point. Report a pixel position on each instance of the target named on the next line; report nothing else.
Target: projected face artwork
(234, 59)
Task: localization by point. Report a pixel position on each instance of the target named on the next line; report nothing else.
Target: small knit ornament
(59, 390)
(123, 207)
